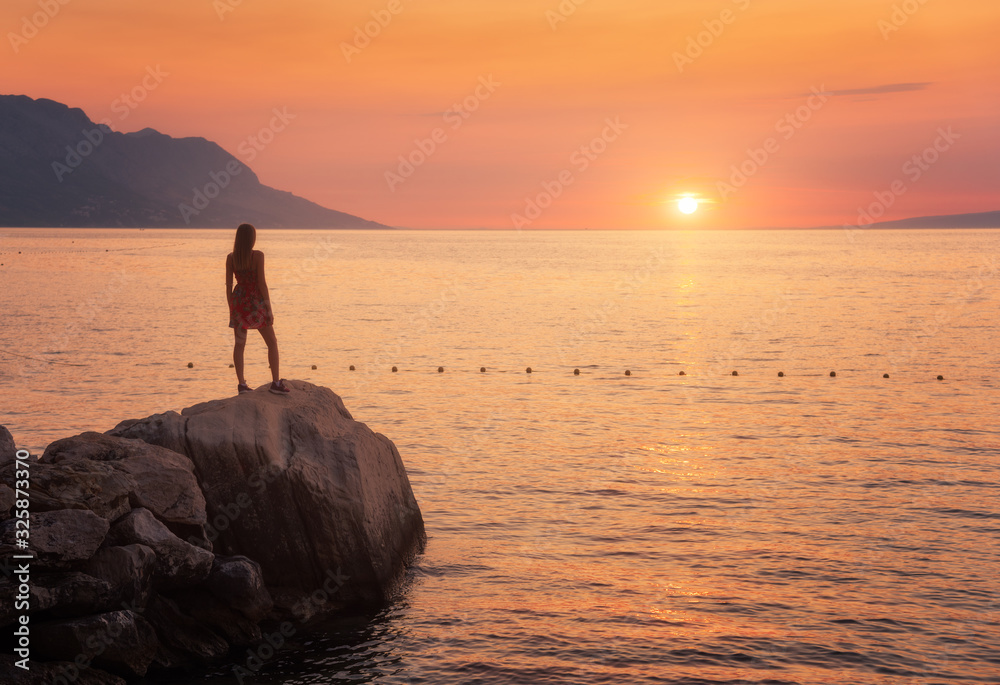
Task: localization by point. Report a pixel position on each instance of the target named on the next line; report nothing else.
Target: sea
(753, 457)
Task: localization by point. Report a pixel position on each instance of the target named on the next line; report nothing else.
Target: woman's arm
(229, 279)
(261, 283)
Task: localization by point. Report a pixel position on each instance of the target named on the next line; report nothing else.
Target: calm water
(597, 528)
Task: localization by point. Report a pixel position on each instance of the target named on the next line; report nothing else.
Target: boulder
(188, 641)
(8, 450)
(128, 571)
(296, 484)
(69, 594)
(7, 497)
(80, 485)
(57, 537)
(233, 625)
(119, 641)
(239, 583)
(158, 479)
(179, 564)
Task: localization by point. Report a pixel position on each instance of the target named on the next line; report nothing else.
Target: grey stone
(80, 485)
(57, 537)
(188, 641)
(121, 642)
(239, 583)
(234, 626)
(178, 563)
(294, 483)
(69, 594)
(160, 480)
(8, 450)
(7, 497)
(128, 571)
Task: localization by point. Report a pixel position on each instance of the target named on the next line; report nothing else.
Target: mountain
(975, 220)
(58, 168)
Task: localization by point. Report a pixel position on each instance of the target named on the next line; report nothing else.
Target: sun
(687, 204)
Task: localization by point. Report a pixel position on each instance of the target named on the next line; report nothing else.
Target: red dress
(247, 309)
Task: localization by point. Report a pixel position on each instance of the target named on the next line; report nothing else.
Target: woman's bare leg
(238, 348)
(267, 332)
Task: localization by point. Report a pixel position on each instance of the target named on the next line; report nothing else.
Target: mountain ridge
(58, 168)
(967, 220)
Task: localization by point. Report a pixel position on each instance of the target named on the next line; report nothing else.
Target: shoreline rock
(182, 533)
(299, 487)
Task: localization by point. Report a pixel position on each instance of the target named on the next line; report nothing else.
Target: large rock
(184, 640)
(7, 497)
(294, 483)
(120, 641)
(157, 479)
(80, 484)
(233, 625)
(8, 451)
(179, 564)
(57, 537)
(239, 583)
(128, 571)
(63, 594)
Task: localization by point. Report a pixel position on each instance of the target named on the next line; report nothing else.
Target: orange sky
(892, 80)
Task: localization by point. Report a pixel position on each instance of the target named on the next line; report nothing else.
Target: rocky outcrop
(171, 540)
(150, 477)
(119, 641)
(7, 448)
(58, 537)
(128, 570)
(179, 564)
(298, 486)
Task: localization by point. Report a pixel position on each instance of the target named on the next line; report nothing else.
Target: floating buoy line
(626, 372)
(395, 369)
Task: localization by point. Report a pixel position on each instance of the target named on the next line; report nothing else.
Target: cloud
(879, 90)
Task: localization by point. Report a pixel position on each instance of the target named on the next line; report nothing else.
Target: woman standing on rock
(250, 305)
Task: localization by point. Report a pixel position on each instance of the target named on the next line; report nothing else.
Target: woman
(250, 305)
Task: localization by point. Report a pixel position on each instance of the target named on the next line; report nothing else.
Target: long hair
(246, 236)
